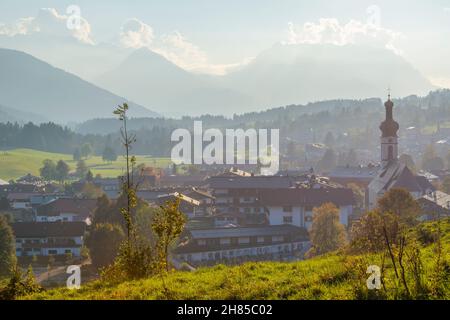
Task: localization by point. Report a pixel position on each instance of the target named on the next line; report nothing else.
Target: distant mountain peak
(30, 85)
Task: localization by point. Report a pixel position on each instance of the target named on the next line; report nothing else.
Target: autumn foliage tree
(327, 233)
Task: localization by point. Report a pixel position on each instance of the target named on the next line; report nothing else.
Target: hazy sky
(219, 33)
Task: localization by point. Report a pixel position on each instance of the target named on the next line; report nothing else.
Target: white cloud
(49, 22)
(174, 46)
(136, 34)
(331, 31)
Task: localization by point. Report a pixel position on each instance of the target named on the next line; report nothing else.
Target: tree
(19, 285)
(86, 150)
(328, 161)
(327, 233)
(430, 159)
(367, 234)
(103, 242)
(447, 158)
(446, 185)
(4, 204)
(48, 171)
(399, 211)
(77, 154)
(7, 248)
(81, 170)
(62, 171)
(329, 140)
(400, 203)
(167, 225)
(89, 176)
(109, 155)
(434, 164)
(91, 191)
(352, 158)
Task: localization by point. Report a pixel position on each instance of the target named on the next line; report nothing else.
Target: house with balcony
(48, 238)
(239, 244)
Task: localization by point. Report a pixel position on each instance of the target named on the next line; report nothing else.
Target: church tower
(389, 128)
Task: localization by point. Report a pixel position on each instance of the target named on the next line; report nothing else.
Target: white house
(48, 238)
(295, 206)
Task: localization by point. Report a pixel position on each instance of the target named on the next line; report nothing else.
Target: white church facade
(392, 173)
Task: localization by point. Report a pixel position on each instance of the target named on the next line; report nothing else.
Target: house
(205, 199)
(240, 194)
(31, 179)
(434, 205)
(20, 200)
(295, 206)
(392, 173)
(48, 238)
(216, 245)
(110, 186)
(188, 205)
(66, 209)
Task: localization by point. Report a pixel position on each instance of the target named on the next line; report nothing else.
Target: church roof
(398, 175)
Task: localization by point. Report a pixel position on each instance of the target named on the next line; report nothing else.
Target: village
(234, 214)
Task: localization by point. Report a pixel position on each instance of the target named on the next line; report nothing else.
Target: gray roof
(245, 232)
(398, 175)
(48, 229)
(354, 172)
(254, 182)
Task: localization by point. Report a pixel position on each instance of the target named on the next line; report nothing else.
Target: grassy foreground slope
(19, 162)
(315, 279)
(334, 276)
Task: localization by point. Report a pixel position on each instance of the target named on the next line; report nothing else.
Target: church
(392, 173)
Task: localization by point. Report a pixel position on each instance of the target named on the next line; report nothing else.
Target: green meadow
(19, 162)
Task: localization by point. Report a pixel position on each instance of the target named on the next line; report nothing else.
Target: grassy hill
(18, 162)
(334, 276)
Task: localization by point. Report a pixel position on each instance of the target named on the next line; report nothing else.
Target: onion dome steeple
(389, 126)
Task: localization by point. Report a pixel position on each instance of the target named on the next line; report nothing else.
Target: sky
(215, 35)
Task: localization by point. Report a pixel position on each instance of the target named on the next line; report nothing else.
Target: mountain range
(282, 75)
(29, 85)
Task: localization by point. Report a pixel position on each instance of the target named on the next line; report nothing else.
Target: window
(277, 238)
(308, 218)
(287, 209)
(244, 240)
(52, 252)
(247, 210)
(67, 251)
(287, 219)
(225, 241)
